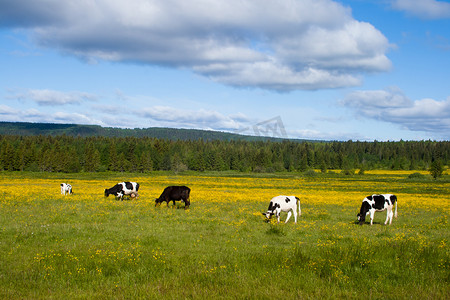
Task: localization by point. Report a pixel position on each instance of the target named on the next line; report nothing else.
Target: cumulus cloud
(6, 110)
(274, 44)
(425, 9)
(52, 97)
(10, 114)
(314, 134)
(391, 105)
(204, 119)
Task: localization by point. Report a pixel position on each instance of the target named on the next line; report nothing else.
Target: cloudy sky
(319, 69)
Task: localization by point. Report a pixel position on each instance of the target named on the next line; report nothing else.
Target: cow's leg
(278, 215)
(295, 215)
(120, 196)
(372, 213)
(288, 216)
(186, 204)
(389, 216)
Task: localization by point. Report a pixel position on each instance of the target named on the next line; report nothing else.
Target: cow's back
(167, 192)
(185, 192)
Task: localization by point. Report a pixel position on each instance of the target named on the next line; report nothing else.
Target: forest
(72, 154)
(27, 128)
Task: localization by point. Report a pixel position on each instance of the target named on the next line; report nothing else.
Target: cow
(175, 193)
(283, 203)
(123, 188)
(376, 202)
(66, 189)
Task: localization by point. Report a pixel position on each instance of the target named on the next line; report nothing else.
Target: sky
(310, 69)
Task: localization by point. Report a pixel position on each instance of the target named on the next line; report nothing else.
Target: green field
(90, 247)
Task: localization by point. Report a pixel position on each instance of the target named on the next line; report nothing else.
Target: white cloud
(74, 118)
(10, 114)
(334, 135)
(391, 105)
(6, 110)
(52, 97)
(372, 103)
(203, 119)
(425, 9)
(274, 44)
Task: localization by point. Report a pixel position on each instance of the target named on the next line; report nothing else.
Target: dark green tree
(436, 169)
(92, 158)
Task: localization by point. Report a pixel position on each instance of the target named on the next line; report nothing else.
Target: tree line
(26, 129)
(132, 154)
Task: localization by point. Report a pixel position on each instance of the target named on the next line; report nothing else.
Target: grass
(88, 246)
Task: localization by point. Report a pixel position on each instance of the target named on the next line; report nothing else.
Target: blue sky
(322, 69)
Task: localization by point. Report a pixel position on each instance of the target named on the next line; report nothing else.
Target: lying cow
(175, 193)
(123, 188)
(66, 189)
(283, 203)
(374, 203)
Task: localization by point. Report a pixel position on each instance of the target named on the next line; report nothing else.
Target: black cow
(123, 188)
(374, 203)
(175, 193)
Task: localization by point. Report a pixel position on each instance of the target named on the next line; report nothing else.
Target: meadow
(87, 246)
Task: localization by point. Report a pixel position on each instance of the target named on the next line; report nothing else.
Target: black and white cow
(123, 188)
(175, 193)
(283, 203)
(374, 203)
(66, 189)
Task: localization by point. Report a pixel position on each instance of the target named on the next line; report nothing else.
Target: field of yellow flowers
(87, 246)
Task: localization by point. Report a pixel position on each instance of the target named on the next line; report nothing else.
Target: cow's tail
(299, 209)
(395, 213)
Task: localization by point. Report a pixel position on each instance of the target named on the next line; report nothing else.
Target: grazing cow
(66, 189)
(123, 188)
(376, 202)
(283, 203)
(175, 193)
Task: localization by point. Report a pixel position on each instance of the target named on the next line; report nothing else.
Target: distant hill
(27, 129)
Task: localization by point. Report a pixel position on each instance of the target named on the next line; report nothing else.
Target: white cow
(283, 203)
(66, 188)
(374, 203)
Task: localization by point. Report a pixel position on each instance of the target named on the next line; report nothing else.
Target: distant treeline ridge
(142, 154)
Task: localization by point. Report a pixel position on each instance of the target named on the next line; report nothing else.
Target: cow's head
(158, 201)
(365, 207)
(271, 210)
(268, 215)
(361, 218)
(107, 193)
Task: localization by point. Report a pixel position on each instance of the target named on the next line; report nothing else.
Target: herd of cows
(278, 204)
